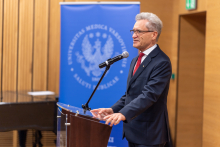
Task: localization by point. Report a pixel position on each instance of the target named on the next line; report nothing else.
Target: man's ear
(154, 35)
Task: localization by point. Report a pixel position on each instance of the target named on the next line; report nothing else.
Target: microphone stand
(86, 106)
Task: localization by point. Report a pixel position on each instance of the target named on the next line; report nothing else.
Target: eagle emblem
(94, 55)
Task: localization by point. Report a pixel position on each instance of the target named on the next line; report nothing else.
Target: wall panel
(171, 101)
(6, 139)
(211, 121)
(54, 47)
(17, 38)
(40, 58)
(25, 46)
(1, 35)
(172, 46)
(191, 80)
(10, 42)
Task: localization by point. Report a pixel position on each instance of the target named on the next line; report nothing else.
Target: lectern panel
(81, 129)
(88, 133)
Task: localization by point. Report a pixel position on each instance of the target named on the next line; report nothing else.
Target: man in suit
(143, 108)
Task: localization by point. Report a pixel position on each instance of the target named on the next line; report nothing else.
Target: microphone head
(125, 54)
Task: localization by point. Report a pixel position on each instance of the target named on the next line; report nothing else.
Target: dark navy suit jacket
(145, 102)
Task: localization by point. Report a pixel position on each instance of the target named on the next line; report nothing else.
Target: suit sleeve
(158, 81)
(119, 104)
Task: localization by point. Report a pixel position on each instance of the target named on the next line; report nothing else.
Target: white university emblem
(97, 45)
(95, 54)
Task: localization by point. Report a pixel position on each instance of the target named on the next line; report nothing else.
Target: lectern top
(74, 109)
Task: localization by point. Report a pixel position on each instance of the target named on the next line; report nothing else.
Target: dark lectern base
(85, 131)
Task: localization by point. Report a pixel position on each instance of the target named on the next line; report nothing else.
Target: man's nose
(134, 35)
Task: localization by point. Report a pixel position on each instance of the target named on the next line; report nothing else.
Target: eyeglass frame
(137, 32)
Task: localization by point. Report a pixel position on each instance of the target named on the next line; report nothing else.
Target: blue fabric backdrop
(91, 34)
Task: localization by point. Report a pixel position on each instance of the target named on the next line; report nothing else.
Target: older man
(143, 108)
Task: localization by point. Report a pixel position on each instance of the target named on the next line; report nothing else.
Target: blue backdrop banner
(91, 33)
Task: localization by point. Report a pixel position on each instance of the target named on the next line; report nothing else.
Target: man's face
(143, 40)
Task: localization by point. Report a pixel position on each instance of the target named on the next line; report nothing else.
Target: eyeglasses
(137, 32)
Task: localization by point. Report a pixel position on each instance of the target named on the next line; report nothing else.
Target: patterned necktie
(138, 62)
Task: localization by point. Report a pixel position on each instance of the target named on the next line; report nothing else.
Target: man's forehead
(140, 23)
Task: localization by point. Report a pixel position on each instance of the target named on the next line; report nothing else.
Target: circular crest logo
(91, 46)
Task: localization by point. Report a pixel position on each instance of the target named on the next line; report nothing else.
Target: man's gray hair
(154, 23)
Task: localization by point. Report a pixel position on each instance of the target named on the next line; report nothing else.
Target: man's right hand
(101, 112)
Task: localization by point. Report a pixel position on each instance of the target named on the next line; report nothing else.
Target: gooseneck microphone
(110, 61)
(107, 63)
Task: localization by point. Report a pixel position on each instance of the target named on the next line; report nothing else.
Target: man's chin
(135, 45)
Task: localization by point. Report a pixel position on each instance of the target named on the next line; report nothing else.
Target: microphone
(110, 61)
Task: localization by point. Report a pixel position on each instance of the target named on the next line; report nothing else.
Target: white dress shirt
(147, 52)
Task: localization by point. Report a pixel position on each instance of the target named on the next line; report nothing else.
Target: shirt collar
(147, 52)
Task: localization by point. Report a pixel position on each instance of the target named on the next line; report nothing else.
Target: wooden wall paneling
(10, 42)
(54, 46)
(1, 36)
(48, 139)
(191, 80)
(26, 12)
(173, 47)
(6, 139)
(164, 12)
(40, 57)
(15, 138)
(29, 138)
(211, 119)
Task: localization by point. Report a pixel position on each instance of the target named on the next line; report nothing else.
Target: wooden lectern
(76, 129)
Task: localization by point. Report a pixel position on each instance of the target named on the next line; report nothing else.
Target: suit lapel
(143, 65)
(130, 74)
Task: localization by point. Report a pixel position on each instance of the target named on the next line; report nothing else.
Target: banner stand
(91, 33)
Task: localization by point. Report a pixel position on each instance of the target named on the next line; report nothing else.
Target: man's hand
(114, 119)
(101, 112)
